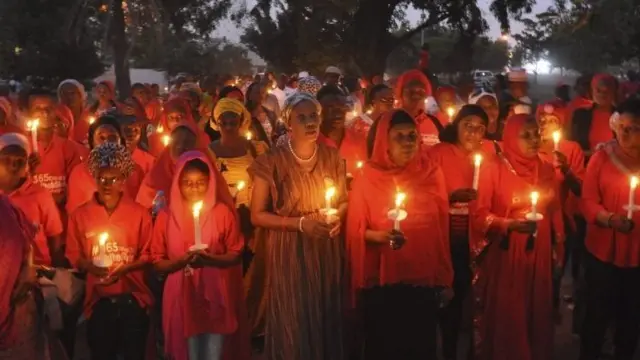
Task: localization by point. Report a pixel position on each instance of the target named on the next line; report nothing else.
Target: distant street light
(505, 37)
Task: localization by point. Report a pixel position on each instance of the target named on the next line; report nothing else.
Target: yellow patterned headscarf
(233, 106)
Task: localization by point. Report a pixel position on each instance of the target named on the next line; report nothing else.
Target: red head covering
(173, 105)
(66, 116)
(15, 239)
(110, 86)
(409, 76)
(526, 167)
(427, 206)
(552, 108)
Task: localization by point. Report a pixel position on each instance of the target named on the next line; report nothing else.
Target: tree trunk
(120, 51)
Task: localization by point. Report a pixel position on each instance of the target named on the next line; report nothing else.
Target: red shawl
(424, 260)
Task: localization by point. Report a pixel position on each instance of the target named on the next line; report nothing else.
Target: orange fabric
(153, 111)
(428, 130)
(156, 146)
(40, 209)
(606, 190)
(143, 159)
(352, 149)
(81, 127)
(129, 228)
(600, 131)
(10, 128)
(425, 259)
(158, 179)
(575, 104)
(56, 162)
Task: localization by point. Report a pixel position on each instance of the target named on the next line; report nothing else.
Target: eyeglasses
(106, 181)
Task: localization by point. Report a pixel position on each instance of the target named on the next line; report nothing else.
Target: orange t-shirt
(38, 205)
(143, 159)
(428, 131)
(56, 162)
(129, 228)
(600, 130)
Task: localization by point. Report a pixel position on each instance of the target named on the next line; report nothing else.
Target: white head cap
(303, 74)
(333, 70)
(518, 75)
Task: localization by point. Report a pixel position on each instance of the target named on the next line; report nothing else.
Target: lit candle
(329, 194)
(160, 129)
(477, 160)
(103, 259)
(359, 164)
(534, 202)
(369, 112)
(197, 207)
(241, 185)
(33, 127)
(354, 113)
(400, 197)
(166, 140)
(248, 135)
(556, 140)
(92, 119)
(450, 112)
(633, 184)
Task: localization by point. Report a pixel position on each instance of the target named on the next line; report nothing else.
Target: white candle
(450, 112)
(197, 207)
(330, 193)
(556, 140)
(33, 127)
(534, 202)
(399, 200)
(102, 245)
(477, 160)
(633, 184)
(160, 129)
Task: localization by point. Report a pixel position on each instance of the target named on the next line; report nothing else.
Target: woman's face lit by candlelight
(304, 122)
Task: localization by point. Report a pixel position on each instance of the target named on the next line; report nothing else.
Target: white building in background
(145, 76)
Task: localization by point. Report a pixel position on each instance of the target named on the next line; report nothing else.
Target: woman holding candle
(117, 298)
(380, 100)
(447, 100)
(82, 186)
(159, 178)
(612, 259)
(71, 93)
(397, 275)
(176, 111)
(515, 286)
(412, 90)
(568, 158)
(461, 143)
(304, 264)
(203, 301)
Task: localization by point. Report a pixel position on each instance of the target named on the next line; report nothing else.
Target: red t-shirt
(143, 159)
(129, 228)
(428, 130)
(38, 205)
(600, 130)
(56, 162)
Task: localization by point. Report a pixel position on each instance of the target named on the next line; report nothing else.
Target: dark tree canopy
(359, 34)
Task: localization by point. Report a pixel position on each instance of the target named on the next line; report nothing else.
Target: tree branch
(433, 20)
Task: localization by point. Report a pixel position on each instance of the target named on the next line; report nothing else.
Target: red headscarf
(66, 116)
(552, 108)
(176, 104)
(525, 167)
(110, 86)
(15, 239)
(409, 76)
(427, 204)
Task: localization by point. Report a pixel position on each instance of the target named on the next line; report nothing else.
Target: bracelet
(300, 223)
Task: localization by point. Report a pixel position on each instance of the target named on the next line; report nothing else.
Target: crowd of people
(318, 219)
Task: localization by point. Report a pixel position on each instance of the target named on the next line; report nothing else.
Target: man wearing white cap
(517, 99)
(332, 75)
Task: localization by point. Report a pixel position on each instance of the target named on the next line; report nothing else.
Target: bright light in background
(542, 66)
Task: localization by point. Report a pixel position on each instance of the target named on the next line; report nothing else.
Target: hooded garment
(210, 300)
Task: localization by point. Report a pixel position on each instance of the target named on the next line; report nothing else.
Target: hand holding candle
(398, 214)
(248, 135)
(32, 126)
(450, 112)
(91, 120)
(102, 260)
(477, 160)
(328, 210)
(166, 140)
(534, 203)
(556, 140)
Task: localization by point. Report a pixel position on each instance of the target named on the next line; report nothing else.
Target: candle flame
(33, 124)
(269, 91)
(241, 185)
(354, 113)
(451, 111)
(634, 182)
(248, 135)
(331, 192)
(197, 207)
(477, 159)
(359, 164)
(400, 198)
(92, 119)
(166, 140)
(369, 112)
(556, 136)
(534, 197)
(160, 129)
(103, 238)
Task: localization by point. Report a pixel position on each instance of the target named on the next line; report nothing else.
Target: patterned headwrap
(233, 106)
(310, 85)
(293, 101)
(110, 155)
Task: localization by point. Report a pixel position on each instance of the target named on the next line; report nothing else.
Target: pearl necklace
(315, 151)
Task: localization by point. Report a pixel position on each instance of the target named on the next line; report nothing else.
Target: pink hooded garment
(210, 300)
(16, 237)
